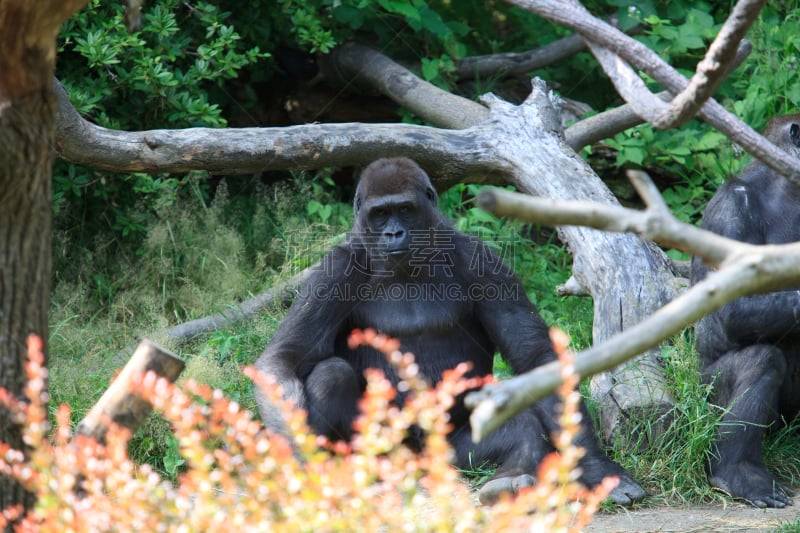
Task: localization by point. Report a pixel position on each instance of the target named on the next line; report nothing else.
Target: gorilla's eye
(378, 216)
(430, 194)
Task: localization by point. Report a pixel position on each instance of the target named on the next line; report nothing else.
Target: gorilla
(406, 272)
(750, 348)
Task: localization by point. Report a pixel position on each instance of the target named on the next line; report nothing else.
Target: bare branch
(276, 294)
(362, 64)
(447, 154)
(656, 224)
(648, 192)
(486, 66)
(744, 269)
(628, 84)
(519, 62)
(645, 59)
(713, 68)
(494, 404)
(609, 123)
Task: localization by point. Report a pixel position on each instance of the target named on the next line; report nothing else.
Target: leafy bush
(238, 474)
(168, 74)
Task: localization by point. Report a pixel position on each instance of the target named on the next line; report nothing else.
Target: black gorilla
(448, 298)
(750, 348)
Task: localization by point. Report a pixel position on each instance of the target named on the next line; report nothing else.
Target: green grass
(196, 259)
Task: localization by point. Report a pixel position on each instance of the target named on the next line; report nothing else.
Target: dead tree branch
(363, 65)
(276, 294)
(608, 123)
(489, 65)
(743, 269)
(714, 66)
(252, 150)
(642, 58)
(655, 224)
(519, 62)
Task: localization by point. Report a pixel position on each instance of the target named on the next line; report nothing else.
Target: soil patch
(732, 517)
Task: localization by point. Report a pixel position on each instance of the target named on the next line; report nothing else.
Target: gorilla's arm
(523, 339)
(309, 330)
(735, 212)
(508, 316)
(764, 317)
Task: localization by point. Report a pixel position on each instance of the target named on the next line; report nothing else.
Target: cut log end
(118, 404)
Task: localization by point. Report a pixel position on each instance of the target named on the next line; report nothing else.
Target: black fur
(448, 298)
(749, 348)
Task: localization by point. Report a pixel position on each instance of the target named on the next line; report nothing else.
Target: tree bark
(27, 119)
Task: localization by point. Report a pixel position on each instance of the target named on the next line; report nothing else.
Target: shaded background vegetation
(137, 253)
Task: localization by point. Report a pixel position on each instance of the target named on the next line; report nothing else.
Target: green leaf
(430, 68)
(409, 12)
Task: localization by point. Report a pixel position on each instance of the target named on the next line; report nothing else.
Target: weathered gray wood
(253, 150)
(577, 18)
(118, 404)
(627, 277)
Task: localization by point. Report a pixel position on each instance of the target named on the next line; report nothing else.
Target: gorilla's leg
(747, 385)
(332, 391)
(595, 465)
(516, 447)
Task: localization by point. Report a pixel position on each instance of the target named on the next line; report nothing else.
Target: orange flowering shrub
(239, 476)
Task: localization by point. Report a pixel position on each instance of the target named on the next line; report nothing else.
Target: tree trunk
(27, 117)
(26, 132)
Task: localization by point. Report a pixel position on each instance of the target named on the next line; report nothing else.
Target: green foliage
(155, 77)
(165, 75)
(770, 81)
(320, 25)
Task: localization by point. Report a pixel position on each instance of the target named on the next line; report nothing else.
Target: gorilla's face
(395, 206)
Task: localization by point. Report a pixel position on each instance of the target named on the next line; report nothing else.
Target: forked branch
(742, 269)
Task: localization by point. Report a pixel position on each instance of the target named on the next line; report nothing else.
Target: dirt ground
(733, 517)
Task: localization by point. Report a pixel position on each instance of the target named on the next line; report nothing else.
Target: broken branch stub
(118, 404)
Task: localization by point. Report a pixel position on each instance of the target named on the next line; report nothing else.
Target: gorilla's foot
(596, 468)
(494, 488)
(750, 482)
(627, 490)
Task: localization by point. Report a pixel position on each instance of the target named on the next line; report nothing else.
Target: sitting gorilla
(750, 348)
(448, 298)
